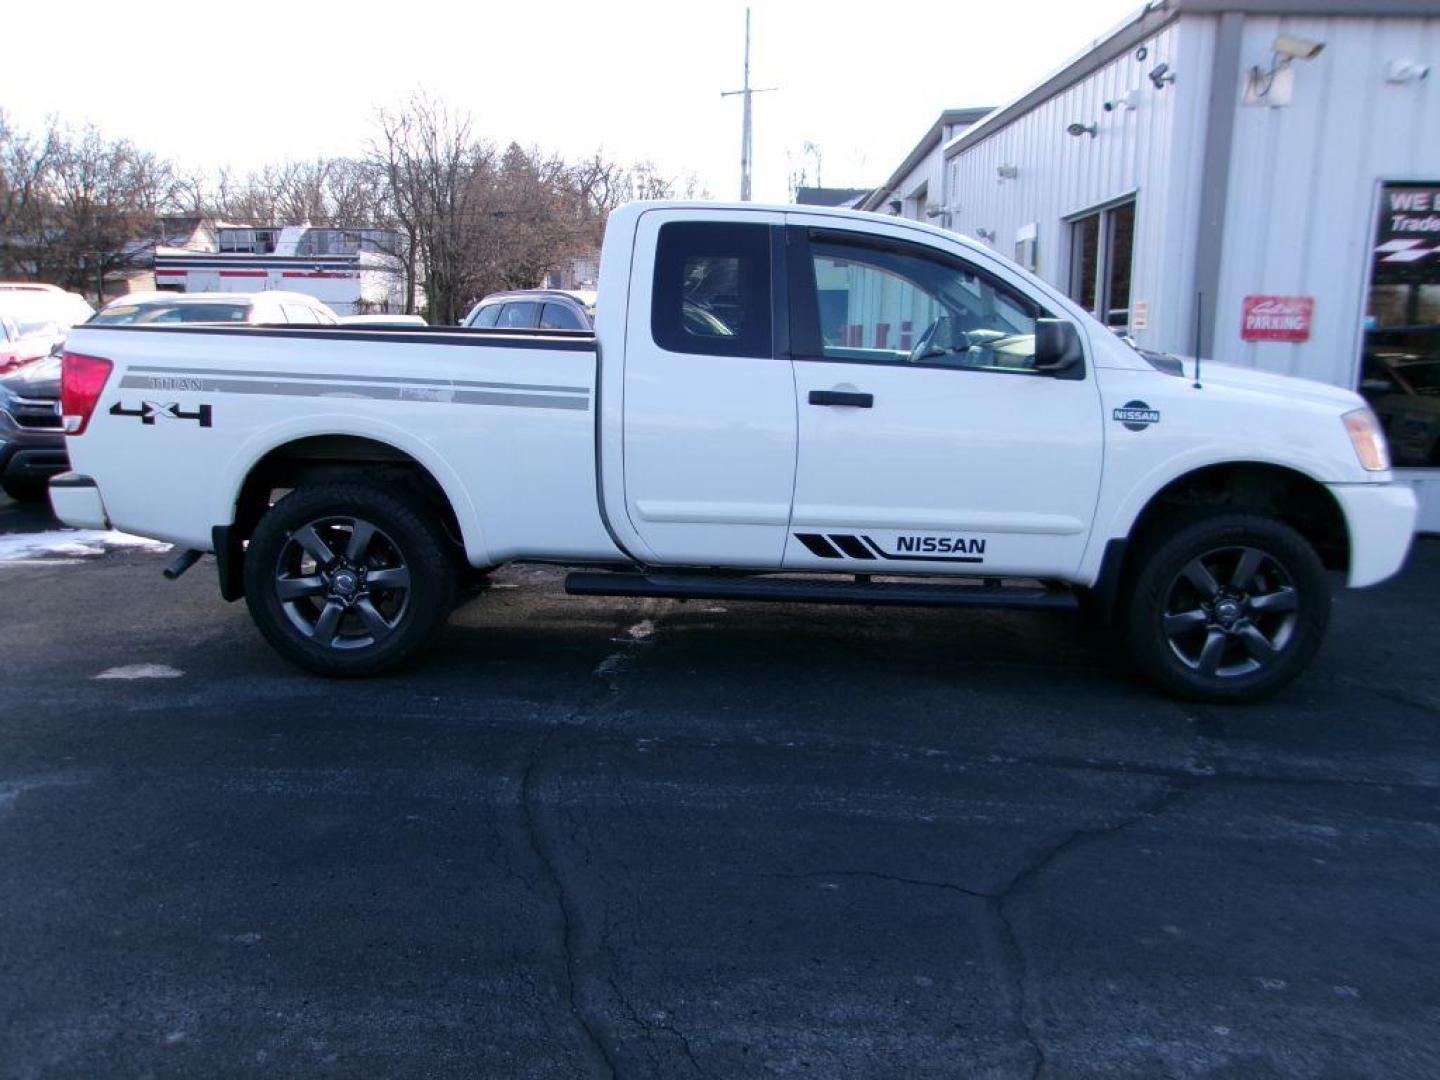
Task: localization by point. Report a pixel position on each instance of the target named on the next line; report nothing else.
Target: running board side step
(884, 594)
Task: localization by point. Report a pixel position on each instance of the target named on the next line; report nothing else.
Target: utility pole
(745, 93)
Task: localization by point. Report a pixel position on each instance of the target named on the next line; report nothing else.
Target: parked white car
(67, 309)
(261, 308)
(898, 414)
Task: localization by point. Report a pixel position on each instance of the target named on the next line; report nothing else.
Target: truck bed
(494, 417)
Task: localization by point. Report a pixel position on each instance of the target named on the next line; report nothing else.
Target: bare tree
(435, 170)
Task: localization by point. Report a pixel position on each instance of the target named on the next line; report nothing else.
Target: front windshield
(171, 311)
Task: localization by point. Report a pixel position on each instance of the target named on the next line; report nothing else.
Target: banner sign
(1277, 318)
(1409, 230)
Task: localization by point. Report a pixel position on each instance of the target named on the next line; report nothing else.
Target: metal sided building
(1260, 177)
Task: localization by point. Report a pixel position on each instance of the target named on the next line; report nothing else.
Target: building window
(1400, 367)
(1102, 251)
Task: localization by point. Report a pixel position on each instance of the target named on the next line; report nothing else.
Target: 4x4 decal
(959, 549)
(149, 410)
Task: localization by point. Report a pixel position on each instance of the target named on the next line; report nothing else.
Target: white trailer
(354, 272)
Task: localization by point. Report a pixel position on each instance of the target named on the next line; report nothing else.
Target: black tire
(1225, 607)
(26, 490)
(335, 617)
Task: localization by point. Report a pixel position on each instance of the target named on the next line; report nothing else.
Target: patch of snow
(141, 671)
(613, 664)
(71, 543)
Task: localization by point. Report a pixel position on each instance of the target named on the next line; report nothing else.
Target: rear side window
(297, 313)
(712, 289)
(486, 316)
(560, 317)
(519, 316)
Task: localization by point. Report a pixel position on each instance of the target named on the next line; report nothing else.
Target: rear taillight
(82, 380)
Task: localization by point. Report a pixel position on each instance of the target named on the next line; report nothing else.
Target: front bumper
(76, 501)
(30, 454)
(1381, 522)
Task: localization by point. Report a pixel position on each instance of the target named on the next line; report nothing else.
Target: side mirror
(1057, 347)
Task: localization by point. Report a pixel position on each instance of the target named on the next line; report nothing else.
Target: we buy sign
(1277, 318)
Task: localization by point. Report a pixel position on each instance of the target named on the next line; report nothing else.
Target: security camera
(1404, 71)
(1161, 74)
(1297, 48)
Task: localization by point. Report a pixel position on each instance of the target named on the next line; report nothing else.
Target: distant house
(581, 272)
(177, 232)
(843, 197)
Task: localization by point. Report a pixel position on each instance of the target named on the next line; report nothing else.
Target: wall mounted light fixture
(1007, 172)
(1077, 129)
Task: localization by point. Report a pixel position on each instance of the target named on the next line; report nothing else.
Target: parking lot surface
(644, 839)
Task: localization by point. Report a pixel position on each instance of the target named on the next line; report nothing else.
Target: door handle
(842, 397)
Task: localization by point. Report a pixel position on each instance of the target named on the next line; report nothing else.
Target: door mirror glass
(1057, 346)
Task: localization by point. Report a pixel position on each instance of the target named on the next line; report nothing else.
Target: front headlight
(1368, 438)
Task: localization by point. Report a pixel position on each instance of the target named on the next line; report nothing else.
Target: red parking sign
(1277, 318)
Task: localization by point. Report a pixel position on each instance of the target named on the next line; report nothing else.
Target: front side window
(895, 305)
(518, 316)
(560, 317)
(486, 317)
(712, 289)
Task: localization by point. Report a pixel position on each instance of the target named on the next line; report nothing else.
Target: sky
(243, 83)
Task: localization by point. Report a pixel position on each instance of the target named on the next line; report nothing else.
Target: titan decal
(149, 411)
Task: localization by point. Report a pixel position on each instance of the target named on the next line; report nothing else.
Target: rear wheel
(1226, 608)
(345, 580)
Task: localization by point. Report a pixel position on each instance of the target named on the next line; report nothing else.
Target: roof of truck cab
(863, 217)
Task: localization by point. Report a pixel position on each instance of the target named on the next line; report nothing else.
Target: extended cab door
(709, 399)
(928, 441)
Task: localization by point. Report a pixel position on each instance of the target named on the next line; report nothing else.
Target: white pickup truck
(776, 404)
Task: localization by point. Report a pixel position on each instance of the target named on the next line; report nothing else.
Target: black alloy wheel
(1230, 612)
(342, 582)
(1225, 607)
(349, 580)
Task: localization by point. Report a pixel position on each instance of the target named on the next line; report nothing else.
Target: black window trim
(779, 292)
(804, 308)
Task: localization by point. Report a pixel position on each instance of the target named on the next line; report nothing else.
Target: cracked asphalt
(599, 838)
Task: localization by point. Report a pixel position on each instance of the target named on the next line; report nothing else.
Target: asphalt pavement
(644, 839)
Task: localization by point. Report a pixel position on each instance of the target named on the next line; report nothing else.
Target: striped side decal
(376, 388)
(844, 545)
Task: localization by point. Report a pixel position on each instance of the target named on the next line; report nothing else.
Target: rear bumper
(1381, 522)
(76, 501)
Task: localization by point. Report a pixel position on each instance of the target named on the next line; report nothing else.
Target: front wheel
(1226, 608)
(348, 581)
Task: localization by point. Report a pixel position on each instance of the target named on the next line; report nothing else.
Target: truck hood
(1234, 377)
